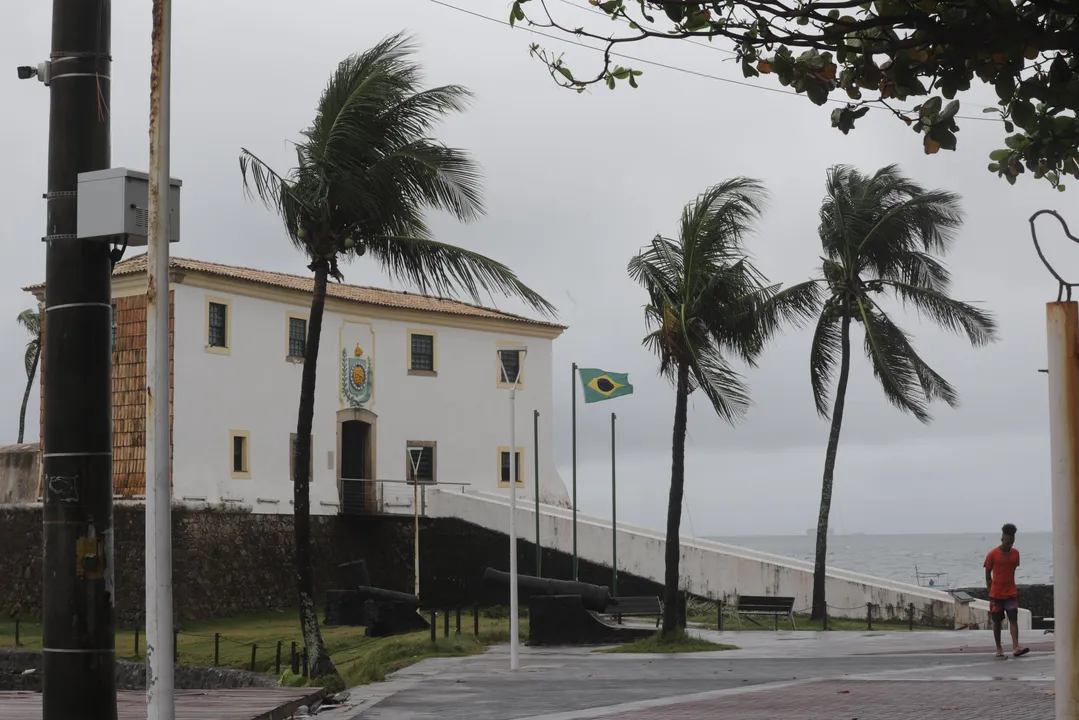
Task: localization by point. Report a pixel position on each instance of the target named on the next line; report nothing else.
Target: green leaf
(632, 81)
(998, 155)
(609, 6)
(610, 81)
(1009, 126)
(1060, 188)
(949, 110)
(565, 72)
(516, 13)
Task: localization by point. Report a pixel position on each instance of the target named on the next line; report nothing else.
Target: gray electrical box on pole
(114, 203)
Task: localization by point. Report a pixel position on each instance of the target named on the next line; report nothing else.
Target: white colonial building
(396, 371)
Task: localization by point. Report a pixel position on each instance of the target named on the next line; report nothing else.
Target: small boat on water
(935, 580)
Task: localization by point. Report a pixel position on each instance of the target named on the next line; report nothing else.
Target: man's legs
(998, 620)
(1013, 625)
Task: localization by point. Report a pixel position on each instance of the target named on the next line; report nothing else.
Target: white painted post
(160, 663)
(514, 620)
(414, 455)
(1062, 330)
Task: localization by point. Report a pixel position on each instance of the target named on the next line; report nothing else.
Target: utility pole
(77, 605)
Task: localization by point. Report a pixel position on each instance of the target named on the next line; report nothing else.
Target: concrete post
(1062, 332)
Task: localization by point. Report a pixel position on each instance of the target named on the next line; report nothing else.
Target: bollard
(295, 660)
(217, 649)
(304, 660)
(476, 620)
(910, 617)
(17, 643)
(434, 626)
(458, 619)
(445, 623)
(277, 670)
(869, 615)
(824, 624)
(136, 640)
(254, 650)
(719, 623)
(176, 646)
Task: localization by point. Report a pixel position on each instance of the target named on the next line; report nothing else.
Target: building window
(297, 337)
(292, 458)
(115, 318)
(425, 470)
(509, 368)
(422, 352)
(218, 325)
(240, 454)
(504, 466)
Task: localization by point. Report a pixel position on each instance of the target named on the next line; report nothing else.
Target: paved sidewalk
(784, 676)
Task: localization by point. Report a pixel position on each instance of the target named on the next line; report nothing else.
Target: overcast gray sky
(575, 185)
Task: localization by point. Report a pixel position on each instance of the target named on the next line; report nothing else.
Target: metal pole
(160, 657)
(79, 676)
(573, 423)
(535, 452)
(1062, 331)
(514, 660)
(614, 521)
(416, 532)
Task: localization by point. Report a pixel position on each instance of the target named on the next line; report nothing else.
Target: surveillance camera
(26, 72)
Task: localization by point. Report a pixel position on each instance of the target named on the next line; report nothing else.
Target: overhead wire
(656, 63)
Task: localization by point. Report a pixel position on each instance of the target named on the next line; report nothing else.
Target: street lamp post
(414, 456)
(521, 351)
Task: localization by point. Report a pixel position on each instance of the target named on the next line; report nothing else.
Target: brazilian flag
(603, 385)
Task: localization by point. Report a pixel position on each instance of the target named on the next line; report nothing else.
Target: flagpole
(614, 522)
(573, 405)
(535, 452)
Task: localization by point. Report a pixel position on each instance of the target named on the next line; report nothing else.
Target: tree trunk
(26, 393)
(820, 603)
(320, 662)
(674, 504)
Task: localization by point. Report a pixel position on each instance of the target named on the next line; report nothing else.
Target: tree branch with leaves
(921, 53)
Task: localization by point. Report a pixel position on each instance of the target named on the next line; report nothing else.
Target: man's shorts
(999, 607)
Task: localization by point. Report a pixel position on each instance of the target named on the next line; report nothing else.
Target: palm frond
(948, 313)
(30, 358)
(277, 193)
(887, 348)
(447, 270)
(721, 384)
(776, 307)
(920, 269)
(31, 322)
(824, 354)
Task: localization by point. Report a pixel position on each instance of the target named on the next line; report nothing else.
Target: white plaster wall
(707, 569)
(254, 388)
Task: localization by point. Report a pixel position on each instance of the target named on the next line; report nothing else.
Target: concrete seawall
(715, 570)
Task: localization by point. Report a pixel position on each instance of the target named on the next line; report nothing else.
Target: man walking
(1000, 565)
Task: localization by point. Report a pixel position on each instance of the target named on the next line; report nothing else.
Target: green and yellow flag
(603, 385)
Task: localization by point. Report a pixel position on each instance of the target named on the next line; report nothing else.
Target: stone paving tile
(870, 700)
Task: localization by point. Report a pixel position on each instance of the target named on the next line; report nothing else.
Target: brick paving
(870, 700)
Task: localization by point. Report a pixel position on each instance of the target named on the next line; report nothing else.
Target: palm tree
(366, 169)
(882, 234)
(31, 321)
(706, 299)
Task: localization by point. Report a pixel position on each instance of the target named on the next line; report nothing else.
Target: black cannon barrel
(594, 597)
(365, 593)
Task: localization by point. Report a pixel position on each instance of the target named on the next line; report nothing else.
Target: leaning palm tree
(882, 234)
(31, 322)
(707, 300)
(366, 170)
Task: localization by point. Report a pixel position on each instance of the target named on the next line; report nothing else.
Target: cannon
(594, 597)
(365, 593)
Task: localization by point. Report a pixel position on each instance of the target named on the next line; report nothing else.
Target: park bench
(635, 606)
(751, 606)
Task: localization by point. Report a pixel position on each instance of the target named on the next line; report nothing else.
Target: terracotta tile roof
(354, 293)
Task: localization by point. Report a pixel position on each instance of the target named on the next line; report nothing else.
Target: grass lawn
(679, 642)
(359, 659)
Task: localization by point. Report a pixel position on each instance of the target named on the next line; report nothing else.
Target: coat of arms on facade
(355, 378)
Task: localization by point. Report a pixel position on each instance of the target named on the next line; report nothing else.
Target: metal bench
(754, 605)
(635, 606)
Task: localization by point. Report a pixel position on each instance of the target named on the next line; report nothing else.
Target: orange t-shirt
(1003, 565)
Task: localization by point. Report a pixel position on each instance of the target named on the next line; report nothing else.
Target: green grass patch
(359, 659)
(678, 642)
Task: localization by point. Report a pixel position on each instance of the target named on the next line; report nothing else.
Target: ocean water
(894, 557)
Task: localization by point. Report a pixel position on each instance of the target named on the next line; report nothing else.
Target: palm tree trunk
(820, 603)
(26, 393)
(674, 504)
(320, 662)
